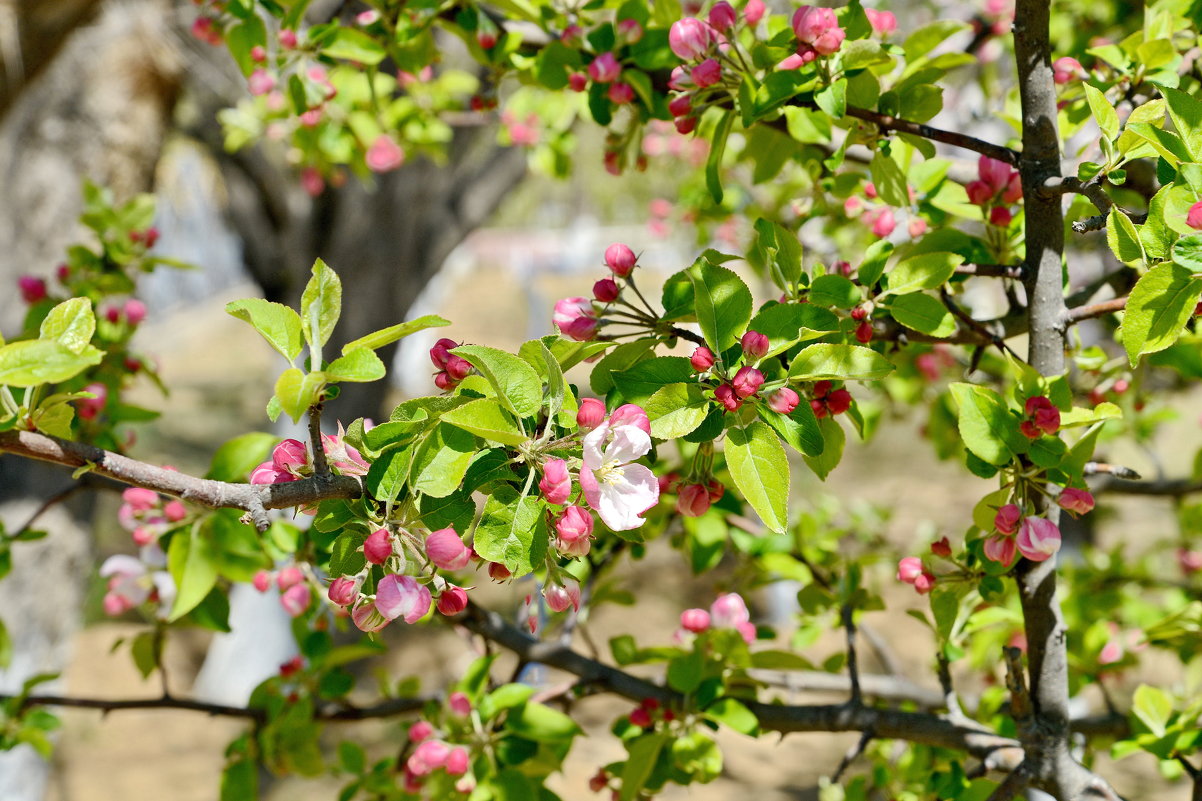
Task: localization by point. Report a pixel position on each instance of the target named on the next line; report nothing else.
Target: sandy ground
(162, 754)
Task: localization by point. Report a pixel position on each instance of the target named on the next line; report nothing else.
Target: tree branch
(1016, 271)
(342, 713)
(254, 499)
(890, 123)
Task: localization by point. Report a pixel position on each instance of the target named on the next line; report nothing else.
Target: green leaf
(889, 180)
(799, 429)
(541, 723)
(235, 459)
(1153, 707)
(512, 531)
(346, 554)
(713, 164)
(1159, 306)
(41, 361)
(321, 303)
(924, 271)
(928, 37)
(360, 364)
(723, 304)
(386, 336)
(1167, 144)
(442, 461)
(1187, 252)
(833, 98)
(485, 418)
(986, 426)
(923, 313)
(945, 607)
(1123, 238)
(278, 324)
(1186, 112)
(875, 258)
(642, 380)
(644, 753)
(193, 566)
(734, 714)
(834, 290)
(353, 45)
(1103, 112)
(6, 646)
(833, 440)
(757, 463)
(517, 384)
(676, 410)
(685, 671)
(297, 391)
(826, 360)
(70, 324)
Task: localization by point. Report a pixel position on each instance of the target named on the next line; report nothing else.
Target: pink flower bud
(689, 38)
(1000, 549)
(679, 80)
(384, 155)
(452, 601)
(715, 489)
(604, 68)
(378, 546)
(924, 583)
(995, 174)
(591, 414)
(458, 368)
(1006, 519)
(457, 761)
(784, 400)
(174, 511)
(884, 222)
(576, 318)
(598, 781)
(572, 36)
(260, 82)
(1014, 188)
(1000, 216)
(979, 193)
(1075, 501)
(695, 620)
(498, 571)
(838, 401)
(367, 617)
(685, 125)
(428, 757)
(818, 28)
(287, 38)
(1194, 217)
(295, 599)
(693, 500)
(446, 550)
(1066, 69)
(942, 548)
(725, 394)
(403, 597)
(262, 581)
(556, 483)
(620, 259)
(289, 577)
(32, 289)
(620, 93)
(1190, 562)
(702, 359)
(487, 39)
(140, 499)
(135, 311)
(642, 718)
(575, 524)
(707, 73)
(441, 352)
(916, 227)
(560, 596)
(747, 382)
(605, 290)
(909, 569)
(882, 22)
(420, 731)
(1038, 538)
(864, 332)
(459, 704)
(722, 16)
(680, 106)
(577, 81)
(629, 31)
(343, 591)
(729, 611)
(630, 414)
(1111, 652)
(755, 345)
(753, 12)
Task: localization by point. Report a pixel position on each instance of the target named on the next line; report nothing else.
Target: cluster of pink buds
(880, 218)
(146, 516)
(911, 570)
(289, 462)
(574, 531)
(863, 331)
(295, 595)
(694, 499)
(996, 189)
(1036, 538)
(579, 318)
(146, 238)
(818, 34)
(432, 755)
(205, 29)
(1042, 418)
(695, 42)
(728, 611)
(132, 312)
(132, 581)
(648, 712)
(829, 401)
(451, 368)
(576, 318)
(934, 362)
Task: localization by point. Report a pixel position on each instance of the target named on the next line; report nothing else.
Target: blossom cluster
(997, 188)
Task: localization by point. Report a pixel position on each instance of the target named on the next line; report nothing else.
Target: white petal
(122, 565)
(593, 443)
(624, 501)
(629, 443)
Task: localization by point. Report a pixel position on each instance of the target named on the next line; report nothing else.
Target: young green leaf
(321, 305)
(923, 313)
(485, 418)
(512, 531)
(676, 409)
(41, 361)
(386, 336)
(827, 360)
(757, 462)
(517, 384)
(1160, 305)
(278, 324)
(360, 364)
(723, 304)
(987, 427)
(70, 324)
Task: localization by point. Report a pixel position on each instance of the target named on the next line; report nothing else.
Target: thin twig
(974, 324)
(950, 701)
(320, 467)
(333, 714)
(1011, 785)
(1015, 271)
(853, 667)
(1092, 310)
(1020, 698)
(852, 755)
(888, 122)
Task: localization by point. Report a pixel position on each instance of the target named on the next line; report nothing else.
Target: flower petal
(629, 443)
(623, 501)
(593, 443)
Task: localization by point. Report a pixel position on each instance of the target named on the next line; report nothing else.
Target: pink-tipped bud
(428, 757)
(420, 731)
(695, 620)
(680, 106)
(591, 414)
(838, 401)
(446, 550)
(556, 483)
(924, 583)
(1075, 501)
(457, 762)
(135, 311)
(384, 155)
(295, 599)
(32, 289)
(630, 414)
(916, 227)
(1193, 218)
(726, 395)
(729, 611)
(604, 68)
(642, 718)
(498, 571)
(260, 82)
(1066, 69)
(864, 332)
(1038, 538)
(689, 38)
(459, 704)
(262, 581)
(174, 511)
(290, 456)
(452, 601)
(707, 73)
(755, 345)
(909, 569)
(747, 382)
(578, 82)
(702, 359)
(882, 22)
(1007, 518)
(693, 500)
(576, 318)
(343, 591)
(287, 39)
(784, 400)
(561, 596)
(884, 223)
(629, 31)
(289, 577)
(1000, 216)
(620, 259)
(1000, 549)
(575, 524)
(620, 93)
(819, 28)
(722, 16)
(441, 352)
(754, 11)
(378, 546)
(606, 290)
(942, 547)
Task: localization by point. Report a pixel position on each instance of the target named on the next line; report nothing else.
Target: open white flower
(618, 490)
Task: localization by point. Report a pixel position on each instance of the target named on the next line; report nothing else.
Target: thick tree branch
(252, 498)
